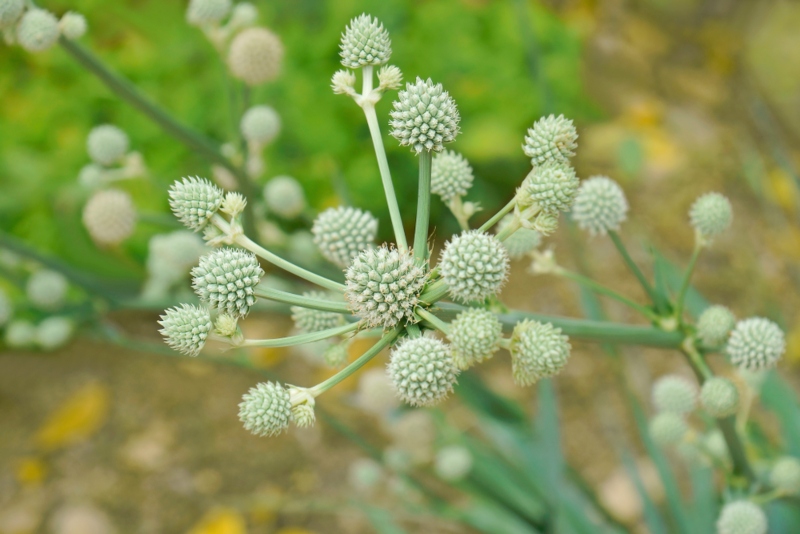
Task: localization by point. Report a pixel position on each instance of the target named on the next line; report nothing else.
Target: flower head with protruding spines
(714, 325)
(255, 56)
(72, 25)
(675, 394)
(422, 371)
(755, 344)
(194, 200)
(107, 144)
(552, 186)
(186, 328)
(719, 397)
(110, 216)
(226, 279)
(538, 350)
(342, 233)
(600, 205)
(10, 12)
(389, 78)
(260, 124)
(474, 265)
(475, 335)
(309, 320)
(742, 517)
(365, 42)
(424, 117)
(451, 175)
(710, 215)
(266, 410)
(37, 30)
(551, 139)
(203, 12)
(303, 415)
(668, 429)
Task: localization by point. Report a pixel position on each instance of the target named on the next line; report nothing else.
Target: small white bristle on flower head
(422, 371)
(72, 25)
(260, 124)
(205, 12)
(710, 215)
(600, 205)
(266, 410)
(673, 393)
(742, 517)
(756, 344)
(37, 30)
(255, 56)
(451, 175)
(365, 42)
(714, 325)
(110, 217)
(474, 265)
(226, 279)
(194, 200)
(551, 139)
(475, 335)
(284, 196)
(538, 350)
(107, 144)
(10, 12)
(342, 233)
(425, 117)
(186, 328)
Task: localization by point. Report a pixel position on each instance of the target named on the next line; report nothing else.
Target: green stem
(423, 207)
(362, 360)
(433, 320)
(434, 292)
(299, 339)
(599, 288)
(456, 207)
(687, 276)
(499, 215)
(509, 230)
(632, 266)
(297, 300)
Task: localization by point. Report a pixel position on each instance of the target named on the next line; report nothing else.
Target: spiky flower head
(194, 200)
(226, 279)
(715, 446)
(424, 117)
(255, 56)
(710, 215)
(308, 320)
(72, 25)
(204, 12)
(756, 344)
(552, 186)
(365, 42)
(343, 82)
(303, 415)
(453, 462)
(422, 371)
(785, 475)
(551, 139)
(47, 289)
(538, 350)
(266, 409)
(546, 222)
(185, 328)
(37, 30)
(714, 325)
(719, 397)
(284, 196)
(336, 355)
(10, 12)
(742, 517)
(673, 393)
(383, 286)
(474, 336)
(260, 124)
(389, 78)
(667, 429)
(233, 204)
(54, 332)
(110, 216)
(20, 333)
(106, 144)
(600, 205)
(451, 175)
(342, 233)
(474, 266)
(522, 241)
(226, 325)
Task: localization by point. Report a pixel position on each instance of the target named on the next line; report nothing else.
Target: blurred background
(112, 433)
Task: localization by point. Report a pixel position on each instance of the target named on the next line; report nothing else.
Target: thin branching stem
(499, 215)
(632, 265)
(299, 339)
(687, 277)
(298, 300)
(423, 207)
(434, 321)
(599, 288)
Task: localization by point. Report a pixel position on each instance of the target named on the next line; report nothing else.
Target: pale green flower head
(474, 265)
(422, 371)
(522, 241)
(20, 334)
(226, 279)
(226, 325)
(342, 233)
(383, 286)
(756, 344)
(710, 215)
(255, 56)
(73, 25)
(453, 462)
(552, 186)
(194, 201)
(424, 117)
(336, 355)
(668, 429)
(538, 350)
(675, 394)
(308, 320)
(742, 517)
(266, 410)
(37, 30)
(244, 14)
(365, 42)
(451, 175)
(284, 196)
(54, 332)
(474, 336)
(205, 12)
(47, 289)
(551, 140)
(260, 124)
(186, 328)
(110, 217)
(600, 205)
(389, 78)
(10, 12)
(92, 176)
(714, 325)
(785, 475)
(719, 397)
(107, 144)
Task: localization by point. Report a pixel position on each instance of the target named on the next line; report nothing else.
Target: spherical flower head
(336, 355)
(538, 350)
(422, 371)
(260, 124)
(756, 344)
(785, 475)
(284, 196)
(425, 117)
(364, 474)
(383, 286)
(185, 328)
(715, 446)
(244, 14)
(453, 462)
(204, 12)
(91, 176)
(710, 215)
(719, 397)
(194, 200)
(255, 56)
(226, 279)
(522, 241)
(668, 429)
(714, 325)
(73, 25)
(106, 144)
(742, 517)
(474, 336)
(451, 175)
(10, 12)
(365, 42)
(20, 334)
(170, 256)
(47, 289)
(552, 186)
(37, 30)
(266, 409)
(674, 394)
(342, 233)
(546, 222)
(308, 320)
(54, 332)
(600, 205)
(110, 217)
(551, 139)
(474, 266)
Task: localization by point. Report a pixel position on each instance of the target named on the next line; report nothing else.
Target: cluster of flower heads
(36, 29)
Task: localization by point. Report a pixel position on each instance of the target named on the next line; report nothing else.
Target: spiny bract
(110, 217)
(675, 394)
(106, 144)
(474, 266)
(342, 233)
(310, 320)
(194, 200)
(538, 350)
(451, 175)
(226, 279)
(742, 517)
(714, 325)
(260, 124)
(185, 328)
(551, 139)
(383, 286)
(284, 196)
(711, 214)
(552, 186)
(667, 429)
(600, 205)
(255, 56)
(424, 117)
(474, 336)
(201, 12)
(422, 371)
(266, 409)
(719, 397)
(365, 42)
(755, 344)
(37, 30)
